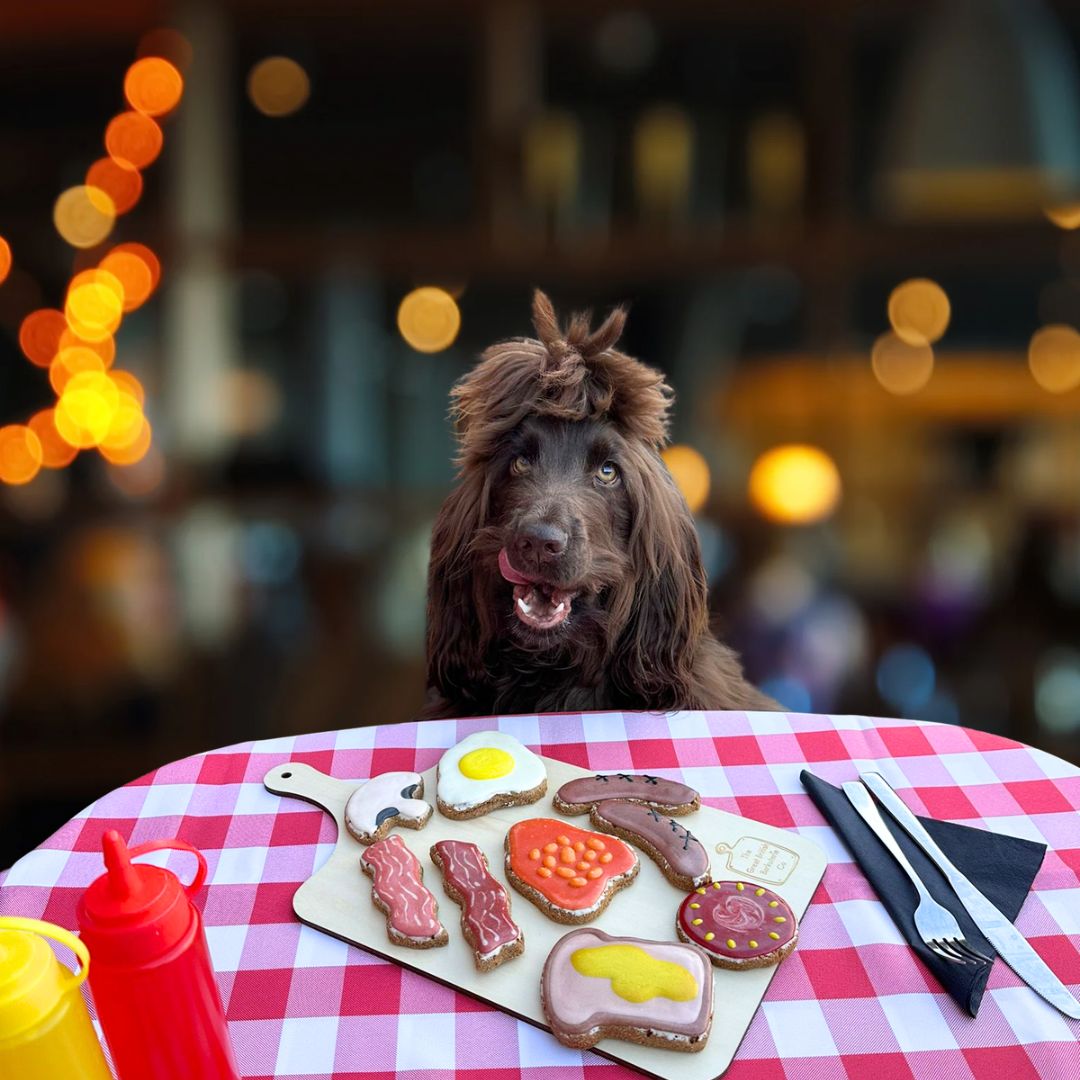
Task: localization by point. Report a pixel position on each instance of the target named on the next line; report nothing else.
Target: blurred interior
(845, 231)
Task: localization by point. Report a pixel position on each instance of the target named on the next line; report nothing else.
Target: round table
(851, 1001)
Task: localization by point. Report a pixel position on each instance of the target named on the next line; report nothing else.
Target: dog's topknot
(576, 374)
(580, 341)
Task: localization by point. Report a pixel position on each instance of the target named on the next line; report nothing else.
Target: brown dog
(565, 568)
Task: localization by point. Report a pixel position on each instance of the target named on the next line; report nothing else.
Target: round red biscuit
(738, 924)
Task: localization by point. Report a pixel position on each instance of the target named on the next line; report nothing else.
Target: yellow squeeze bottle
(45, 1030)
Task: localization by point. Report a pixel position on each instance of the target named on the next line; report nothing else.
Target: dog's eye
(519, 465)
(607, 473)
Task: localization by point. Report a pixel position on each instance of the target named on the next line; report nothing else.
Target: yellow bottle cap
(32, 980)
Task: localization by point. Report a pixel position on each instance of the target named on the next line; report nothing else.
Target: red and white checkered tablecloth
(852, 1001)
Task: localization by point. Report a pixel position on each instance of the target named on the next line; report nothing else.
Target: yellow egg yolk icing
(635, 975)
(486, 763)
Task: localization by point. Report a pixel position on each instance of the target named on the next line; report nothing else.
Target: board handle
(303, 782)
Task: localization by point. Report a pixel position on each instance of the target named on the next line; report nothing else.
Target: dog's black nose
(541, 542)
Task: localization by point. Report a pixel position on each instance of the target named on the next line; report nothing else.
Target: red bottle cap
(135, 913)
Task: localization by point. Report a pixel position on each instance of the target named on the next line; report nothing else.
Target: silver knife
(1010, 944)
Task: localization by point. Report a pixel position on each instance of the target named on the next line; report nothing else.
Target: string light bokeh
(20, 454)
(133, 140)
(84, 215)
(97, 407)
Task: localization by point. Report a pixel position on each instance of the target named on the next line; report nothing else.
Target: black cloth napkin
(1001, 867)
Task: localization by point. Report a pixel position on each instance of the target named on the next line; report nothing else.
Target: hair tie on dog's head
(568, 355)
(573, 375)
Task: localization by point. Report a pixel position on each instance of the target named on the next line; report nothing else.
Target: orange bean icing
(575, 884)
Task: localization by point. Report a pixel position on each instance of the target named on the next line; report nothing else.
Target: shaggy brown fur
(562, 434)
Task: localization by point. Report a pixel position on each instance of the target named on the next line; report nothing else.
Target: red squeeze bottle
(151, 978)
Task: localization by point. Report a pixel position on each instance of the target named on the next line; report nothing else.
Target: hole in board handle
(286, 775)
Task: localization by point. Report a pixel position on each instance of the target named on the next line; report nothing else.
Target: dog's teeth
(559, 608)
(524, 607)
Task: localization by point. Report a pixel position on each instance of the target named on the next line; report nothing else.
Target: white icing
(383, 792)
(498, 949)
(458, 791)
(648, 1032)
(670, 1036)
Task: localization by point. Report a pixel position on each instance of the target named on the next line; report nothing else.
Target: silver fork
(936, 924)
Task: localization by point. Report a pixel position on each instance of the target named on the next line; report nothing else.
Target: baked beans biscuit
(570, 874)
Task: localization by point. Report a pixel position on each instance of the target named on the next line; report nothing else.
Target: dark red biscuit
(579, 796)
(739, 925)
(485, 906)
(681, 857)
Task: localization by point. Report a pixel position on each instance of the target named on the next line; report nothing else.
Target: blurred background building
(267, 237)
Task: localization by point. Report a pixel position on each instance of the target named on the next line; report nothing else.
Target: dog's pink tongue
(509, 573)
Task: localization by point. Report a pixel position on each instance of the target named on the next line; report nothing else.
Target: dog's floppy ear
(454, 645)
(664, 607)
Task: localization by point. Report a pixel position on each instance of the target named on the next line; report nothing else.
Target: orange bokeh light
(133, 139)
(122, 184)
(133, 452)
(86, 409)
(138, 270)
(76, 345)
(55, 452)
(106, 348)
(795, 484)
(690, 471)
(126, 383)
(89, 332)
(153, 86)
(143, 252)
(5, 259)
(94, 304)
(429, 319)
(69, 362)
(919, 311)
(1054, 358)
(20, 454)
(40, 335)
(111, 288)
(900, 367)
(126, 423)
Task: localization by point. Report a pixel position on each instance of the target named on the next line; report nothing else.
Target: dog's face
(565, 567)
(566, 539)
(562, 514)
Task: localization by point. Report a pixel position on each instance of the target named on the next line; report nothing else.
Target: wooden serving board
(337, 900)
